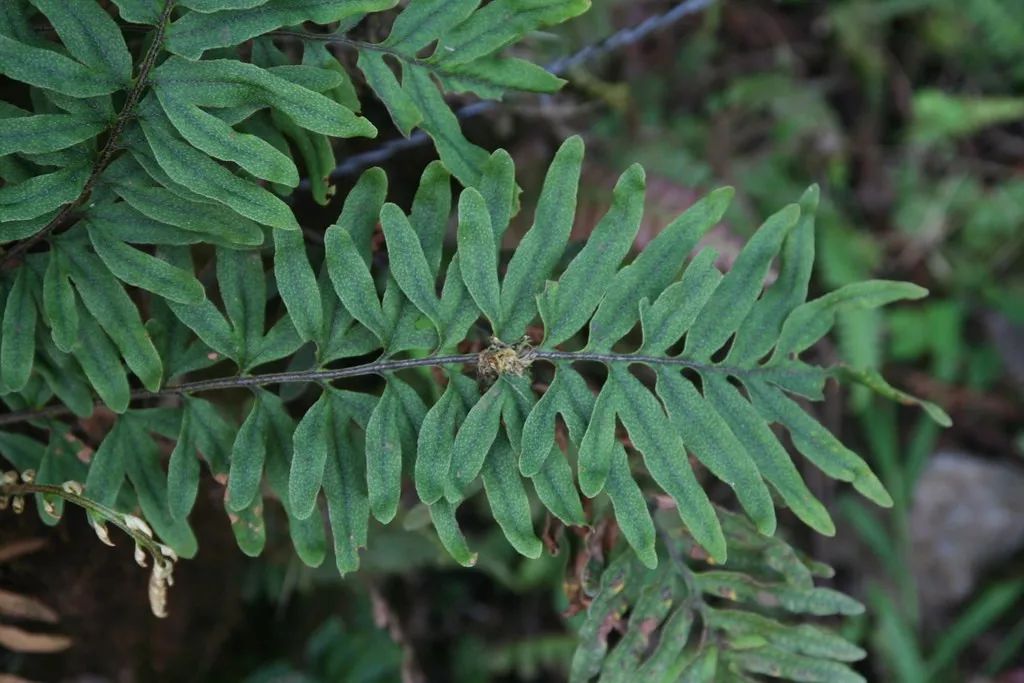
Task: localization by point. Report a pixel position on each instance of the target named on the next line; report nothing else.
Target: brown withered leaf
(17, 606)
(11, 678)
(21, 547)
(20, 640)
(584, 568)
(551, 533)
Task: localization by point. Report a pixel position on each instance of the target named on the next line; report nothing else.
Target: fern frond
(704, 370)
(726, 429)
(718, 622)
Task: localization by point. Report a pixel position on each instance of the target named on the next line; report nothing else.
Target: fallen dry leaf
(20, 640)
(11, 678)
(17, 606)
(25, 546)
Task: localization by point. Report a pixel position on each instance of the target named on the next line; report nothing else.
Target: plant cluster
(152, 263)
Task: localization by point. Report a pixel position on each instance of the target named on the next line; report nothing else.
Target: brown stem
(220, 383)
(380, 367)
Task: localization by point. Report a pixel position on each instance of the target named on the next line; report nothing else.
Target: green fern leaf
(43, 133)
(91, 36)
(42, 193)
(384, 457)
(198, 31)
(296, 284)
(59, 303)
(757, 636)
(17, 334)
(567, 305)
(45, 68)
(247, 457)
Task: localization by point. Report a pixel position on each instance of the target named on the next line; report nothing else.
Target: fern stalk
(384, 367)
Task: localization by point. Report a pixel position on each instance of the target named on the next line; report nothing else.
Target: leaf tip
(531, 548)
(826, 527)
(916, 291)
(877, 494)
(936, 413)
(811, 196)
(648, 556)
(572, 146)
(766, 525)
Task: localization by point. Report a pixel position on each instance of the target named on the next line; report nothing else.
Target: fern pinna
(174, 271)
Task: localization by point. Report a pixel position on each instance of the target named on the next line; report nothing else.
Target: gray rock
(966, 515)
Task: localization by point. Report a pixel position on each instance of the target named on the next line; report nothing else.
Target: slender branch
(375, 368)
(246, 381)
(616, 41)
(98, 510)
(106, 154)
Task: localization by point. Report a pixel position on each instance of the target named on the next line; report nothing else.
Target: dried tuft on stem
(505, 359)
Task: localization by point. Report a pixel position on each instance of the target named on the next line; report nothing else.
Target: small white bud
(167, 552)
(18, 504)
(140, 555)
(72, 487)
(159, 580)
(157, 595)
(102, 533)
(28, 476)
(136, 524)
(163, 570)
